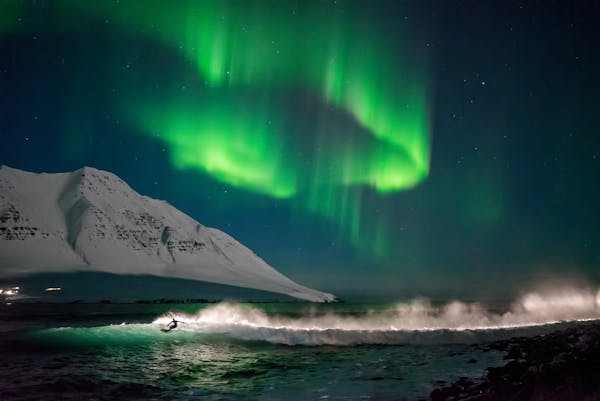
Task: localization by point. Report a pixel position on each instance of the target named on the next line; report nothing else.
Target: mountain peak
(90, 219)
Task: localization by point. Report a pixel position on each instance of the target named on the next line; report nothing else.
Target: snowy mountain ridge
(91, 220)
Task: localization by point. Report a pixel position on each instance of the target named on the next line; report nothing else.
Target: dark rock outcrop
(560, 366)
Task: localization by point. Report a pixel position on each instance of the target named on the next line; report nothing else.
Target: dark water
(230, 352)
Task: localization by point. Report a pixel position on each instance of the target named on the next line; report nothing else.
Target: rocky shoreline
(560, 366)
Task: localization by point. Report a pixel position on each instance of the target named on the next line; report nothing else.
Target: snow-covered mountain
(91, 220)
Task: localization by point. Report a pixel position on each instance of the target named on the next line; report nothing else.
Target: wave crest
(414, 321)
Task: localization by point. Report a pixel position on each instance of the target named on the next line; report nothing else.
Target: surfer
(171, 326)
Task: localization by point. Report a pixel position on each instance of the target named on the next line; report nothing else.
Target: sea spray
(419, 321)
(412, 322)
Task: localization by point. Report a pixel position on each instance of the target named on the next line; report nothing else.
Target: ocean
(237, 351)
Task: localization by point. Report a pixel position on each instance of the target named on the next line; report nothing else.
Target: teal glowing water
(258, 352)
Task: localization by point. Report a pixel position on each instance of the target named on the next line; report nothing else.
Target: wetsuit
(172, 325)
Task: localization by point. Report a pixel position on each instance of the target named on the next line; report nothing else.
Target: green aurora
(234, 128)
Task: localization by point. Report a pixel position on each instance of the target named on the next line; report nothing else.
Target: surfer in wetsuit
(171, 326)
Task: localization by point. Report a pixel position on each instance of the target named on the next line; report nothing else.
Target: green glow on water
(125, 334)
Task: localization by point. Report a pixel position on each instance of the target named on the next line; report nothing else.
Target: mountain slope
(91, 220)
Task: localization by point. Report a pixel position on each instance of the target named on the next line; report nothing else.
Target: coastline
(559, 366)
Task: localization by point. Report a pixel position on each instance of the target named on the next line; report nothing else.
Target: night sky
(383, 148)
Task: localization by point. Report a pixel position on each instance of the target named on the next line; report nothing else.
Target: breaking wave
(416, 322)
(412, 322)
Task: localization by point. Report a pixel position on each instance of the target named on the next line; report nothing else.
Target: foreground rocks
(560, 366)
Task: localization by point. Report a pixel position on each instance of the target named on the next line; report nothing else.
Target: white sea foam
(405, 322)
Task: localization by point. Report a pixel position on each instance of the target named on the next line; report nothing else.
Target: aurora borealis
(410, 139)
(232, 126)
(243, 54)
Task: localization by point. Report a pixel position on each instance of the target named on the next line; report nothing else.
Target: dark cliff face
(14, 225)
